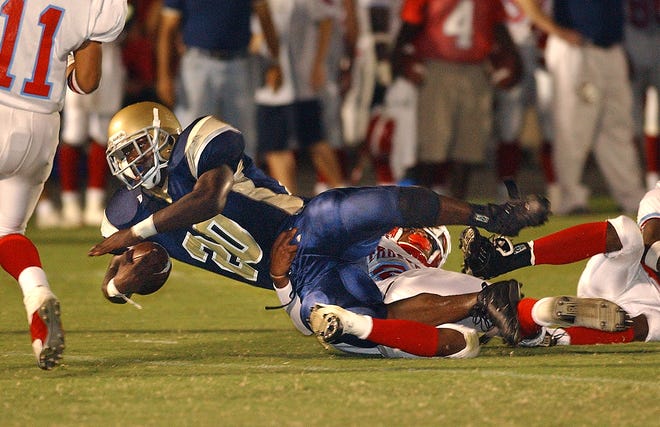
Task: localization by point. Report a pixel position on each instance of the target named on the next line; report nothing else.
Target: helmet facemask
(137, 159)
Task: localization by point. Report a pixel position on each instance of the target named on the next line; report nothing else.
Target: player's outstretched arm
(142, 269)
(506, 219)
(206, 200)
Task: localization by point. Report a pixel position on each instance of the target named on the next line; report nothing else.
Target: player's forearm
(262, 10)
(325, 28)
(85, 72)
(165, 46)
(110, 273)
(546, 23)
(206, 200)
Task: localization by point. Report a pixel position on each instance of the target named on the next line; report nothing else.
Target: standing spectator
(373, 22)
(370, 76)
(138, 52)
(642, 40)
(534, 90)
(592, 101)
(37, 39)
(214, 72)
(295, 109)
(452, 38)
(339, 60)
(85, 124)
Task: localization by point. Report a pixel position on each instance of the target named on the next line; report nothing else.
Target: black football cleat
(497, 306)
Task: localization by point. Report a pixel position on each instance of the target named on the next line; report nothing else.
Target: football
(157, 262)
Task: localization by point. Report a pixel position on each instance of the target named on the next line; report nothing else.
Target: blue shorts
(279, 126)
(337, 230)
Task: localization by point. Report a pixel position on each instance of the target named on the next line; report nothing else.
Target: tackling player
(623, 266)
(406, 264)
(196, 193)
(38, 37)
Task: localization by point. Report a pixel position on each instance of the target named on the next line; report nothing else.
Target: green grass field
(204, 352)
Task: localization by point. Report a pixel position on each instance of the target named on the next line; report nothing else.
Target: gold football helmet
(140, 139)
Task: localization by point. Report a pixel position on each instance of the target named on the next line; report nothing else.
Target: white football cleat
(326, 323)
(46, 328)
(594, 313)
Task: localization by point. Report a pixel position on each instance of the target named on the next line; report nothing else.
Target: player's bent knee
(471, 337)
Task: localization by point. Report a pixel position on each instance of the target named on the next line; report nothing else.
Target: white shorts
(27, 149)
(619, 277)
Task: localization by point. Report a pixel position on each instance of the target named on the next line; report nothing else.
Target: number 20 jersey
(236, 243)
(37, 36)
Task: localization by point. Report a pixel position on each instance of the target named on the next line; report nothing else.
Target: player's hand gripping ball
(143, 269)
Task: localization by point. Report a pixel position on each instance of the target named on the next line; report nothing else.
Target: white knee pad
(471, 336)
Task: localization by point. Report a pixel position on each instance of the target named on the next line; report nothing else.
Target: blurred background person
(84, 136)
(81, 153)
(370, 76)
(452, 39)
(294, 112)
(592, 101)
(642, 44)
(213, 75)
(138, 52)
(512, 103)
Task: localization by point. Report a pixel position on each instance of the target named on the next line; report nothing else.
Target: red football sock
(17, 253)
(382, 170)
(586, 336)
(571, 244)
(509, 156)
(651, 151)
(528, 328)
(69, 167)
(97, 166)
(546, 162)
(412, 337)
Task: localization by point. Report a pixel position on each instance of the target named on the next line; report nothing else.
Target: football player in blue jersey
(195, 192)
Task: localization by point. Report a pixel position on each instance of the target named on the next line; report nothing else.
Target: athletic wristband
(652, 255)
(111, 289)
(480, 216)
(145, 228)
(72, 83)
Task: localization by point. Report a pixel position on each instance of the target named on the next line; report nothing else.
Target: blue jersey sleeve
(226, 148)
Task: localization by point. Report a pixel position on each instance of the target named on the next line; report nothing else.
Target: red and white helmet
(429, 246)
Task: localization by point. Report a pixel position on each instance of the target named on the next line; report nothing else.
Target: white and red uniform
(399, 276)
(620, 276)
(37, 38)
